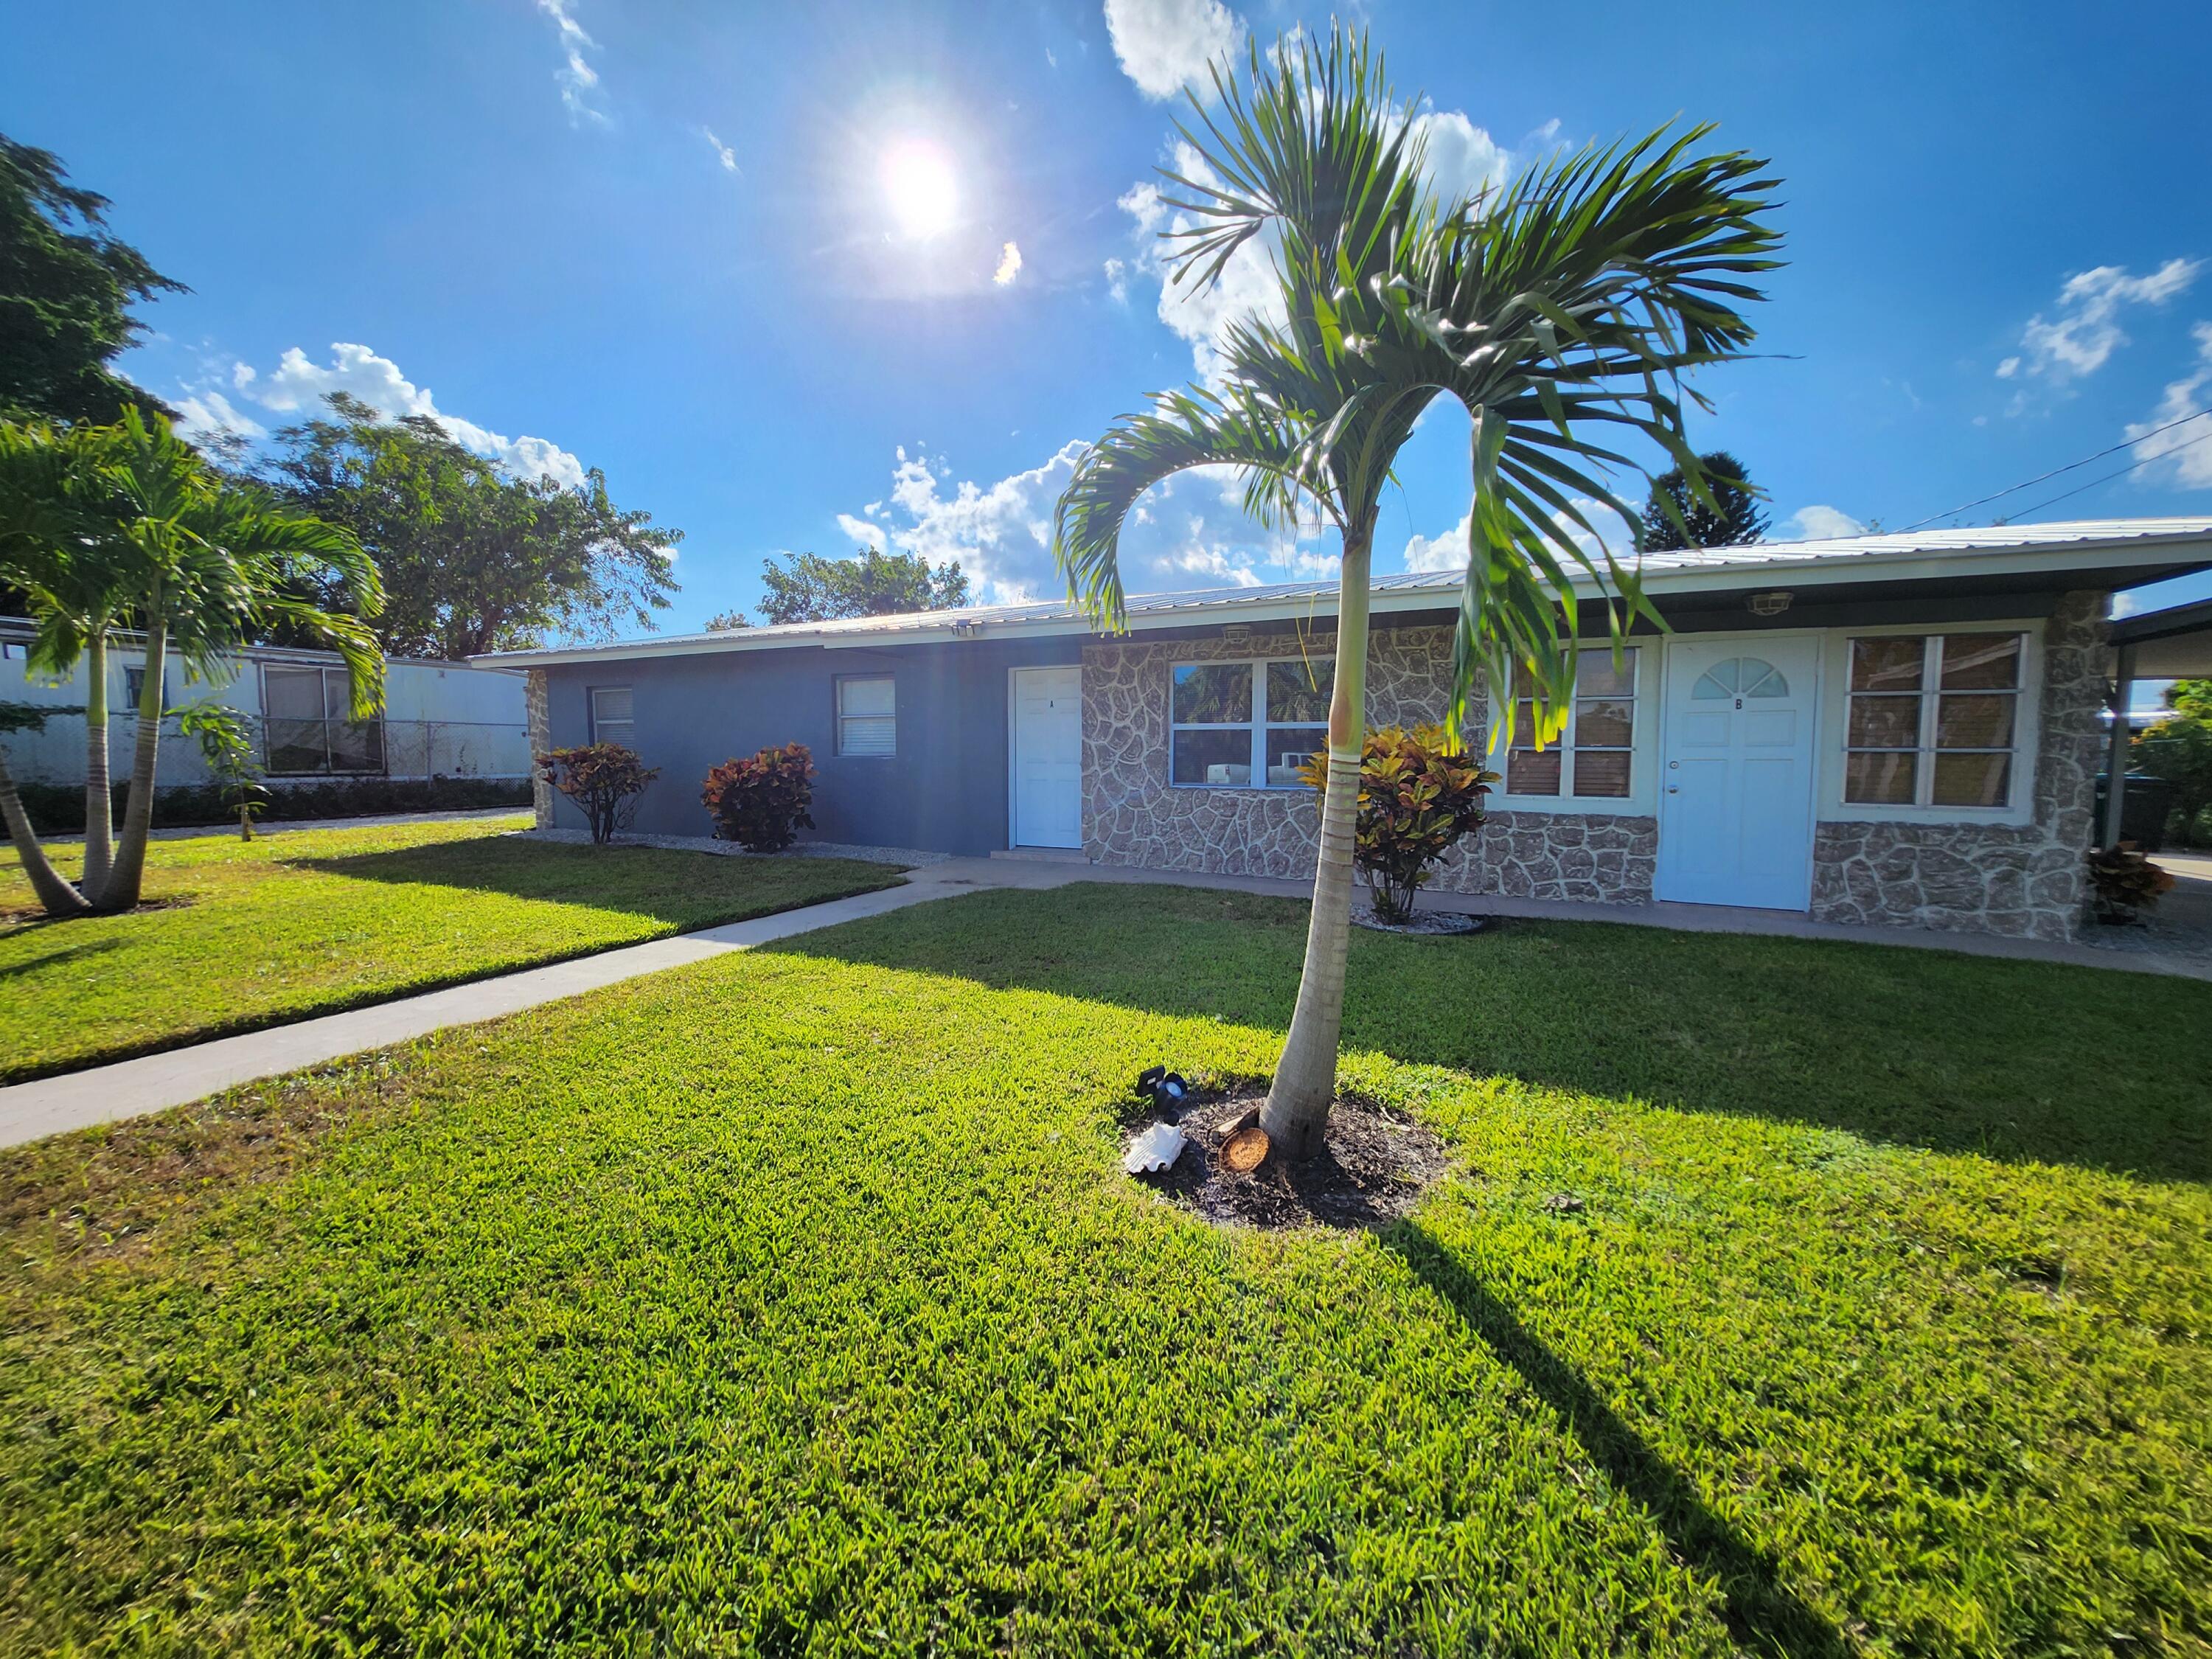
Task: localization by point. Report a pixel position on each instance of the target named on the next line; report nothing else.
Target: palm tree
(127, 521)
(55, 479)
(1560, 314)
(213, 564)
(38, 466)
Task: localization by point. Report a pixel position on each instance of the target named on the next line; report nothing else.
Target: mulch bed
(1372, 1166)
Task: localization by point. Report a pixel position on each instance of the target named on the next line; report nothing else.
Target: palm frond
(1184, 429)
(1563, 313)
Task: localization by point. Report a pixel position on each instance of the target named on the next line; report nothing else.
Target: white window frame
(1259, 724)
(601, 729)
(2026, 731)
(840, 716)
(1643, 736)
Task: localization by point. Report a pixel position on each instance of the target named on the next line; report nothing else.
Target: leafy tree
(102, 524)
(66, 290)
(473, 560)
(2180, 751)
(1728, 515)
(810, 588)
(725, 622)
(1561, 315)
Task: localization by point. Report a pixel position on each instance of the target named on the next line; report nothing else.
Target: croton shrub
(1417, 795)
(762, 803)
(604, 779)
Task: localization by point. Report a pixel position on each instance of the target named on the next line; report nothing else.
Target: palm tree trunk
(54, 892)
(99, 832)
(1297, 1113)
(128, 874)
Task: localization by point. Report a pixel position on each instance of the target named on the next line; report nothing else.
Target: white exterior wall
(440, 719)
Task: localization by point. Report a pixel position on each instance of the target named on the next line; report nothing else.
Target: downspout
(2115, 758)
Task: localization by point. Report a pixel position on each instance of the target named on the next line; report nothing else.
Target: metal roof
(1919, 555)
(2171, 644)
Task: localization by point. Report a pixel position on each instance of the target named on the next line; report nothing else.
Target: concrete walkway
(132, 1088)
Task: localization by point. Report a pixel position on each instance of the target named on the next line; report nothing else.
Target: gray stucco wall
(945, 791)
(1130, 815)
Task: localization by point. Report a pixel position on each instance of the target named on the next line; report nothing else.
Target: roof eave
(2192, 551)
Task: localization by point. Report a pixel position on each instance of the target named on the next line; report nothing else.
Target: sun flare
(921, 187)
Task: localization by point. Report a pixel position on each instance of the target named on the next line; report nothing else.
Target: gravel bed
(2165, 938)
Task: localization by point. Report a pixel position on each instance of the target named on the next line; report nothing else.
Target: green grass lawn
(249, 933)
(795, 1303)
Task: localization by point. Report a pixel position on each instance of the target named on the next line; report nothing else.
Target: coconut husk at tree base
(1245, 1150)
(1372, 1169)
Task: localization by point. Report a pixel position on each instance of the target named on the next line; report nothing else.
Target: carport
(2157, 645)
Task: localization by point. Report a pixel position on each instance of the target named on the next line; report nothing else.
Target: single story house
(1896, 729)
(440, 719)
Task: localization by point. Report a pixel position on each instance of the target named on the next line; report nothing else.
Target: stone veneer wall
(538, 711)
(1131, 816)
(2027, 882)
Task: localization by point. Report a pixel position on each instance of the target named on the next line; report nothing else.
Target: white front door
(1736, 802)
(1048, 769)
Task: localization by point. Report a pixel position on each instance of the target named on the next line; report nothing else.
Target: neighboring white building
(440, 719)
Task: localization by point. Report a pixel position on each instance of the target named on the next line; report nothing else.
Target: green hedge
(58, 809)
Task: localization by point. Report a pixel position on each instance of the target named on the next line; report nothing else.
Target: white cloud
(1010, 265)
(1448, 551)
(1816, 524)
(1459, 159)
(578, 80)
(207, 415)
(1165, 45)
(1185, 533)
(1117, 282)
(1444, 552)
(2182, 457)
(1246, 286)
(723, 153)
(2084, 330)
(297, 383)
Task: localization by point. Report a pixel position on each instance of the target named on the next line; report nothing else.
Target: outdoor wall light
(1769, 605)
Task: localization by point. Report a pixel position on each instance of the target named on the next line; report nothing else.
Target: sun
(920, 185)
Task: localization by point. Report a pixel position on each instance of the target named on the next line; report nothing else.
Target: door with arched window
(1735, 774)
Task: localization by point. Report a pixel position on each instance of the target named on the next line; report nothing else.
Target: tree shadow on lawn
(2013, 1061)
(39, 965)
(1763, 1614)
(683, 889)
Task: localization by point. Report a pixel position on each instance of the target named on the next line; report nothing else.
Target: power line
(2040, 477)
(2187, 443)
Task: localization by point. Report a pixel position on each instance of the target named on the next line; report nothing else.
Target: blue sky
(657, 238)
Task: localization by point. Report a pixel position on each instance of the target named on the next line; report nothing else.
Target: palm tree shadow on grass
(2010, 1060)
(1763, 1614)
(52, 959)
